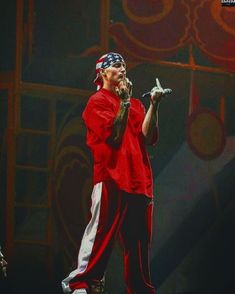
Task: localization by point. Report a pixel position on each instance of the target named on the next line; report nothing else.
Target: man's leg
(136, 233)
(107, 211)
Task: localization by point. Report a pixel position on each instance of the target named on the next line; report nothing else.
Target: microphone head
(167, 91)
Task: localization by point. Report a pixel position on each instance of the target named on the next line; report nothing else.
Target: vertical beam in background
(191, 82)
(10, 190)
(222, 108)
(13, 122)
(19, 57)
(104, 24)
(19, 44)
(51, 148)
(30, 29)
(191, 57)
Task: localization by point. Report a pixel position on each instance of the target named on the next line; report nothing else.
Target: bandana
(105, 61)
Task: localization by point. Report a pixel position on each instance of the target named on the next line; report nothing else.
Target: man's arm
(150, 124)
(124, 91)
(119, 125)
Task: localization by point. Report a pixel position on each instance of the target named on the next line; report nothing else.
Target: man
(117, 133)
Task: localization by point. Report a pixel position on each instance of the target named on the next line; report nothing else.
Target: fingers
(3, 262)
(122, 85)
(129, 86)
(158, 84)
(124, 89)
(126, 83)
(156, 90)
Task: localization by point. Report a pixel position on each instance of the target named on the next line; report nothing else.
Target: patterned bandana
(105, 61)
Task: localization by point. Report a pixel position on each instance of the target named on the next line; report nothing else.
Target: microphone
(166, 92)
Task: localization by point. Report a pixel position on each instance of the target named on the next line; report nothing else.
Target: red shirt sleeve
(99, 116)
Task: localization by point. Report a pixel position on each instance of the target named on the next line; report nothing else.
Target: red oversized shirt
(128, 164)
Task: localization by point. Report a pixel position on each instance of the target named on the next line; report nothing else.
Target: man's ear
(103, 72)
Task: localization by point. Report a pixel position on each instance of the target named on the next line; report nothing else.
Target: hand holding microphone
(124, 89)
(157, 93)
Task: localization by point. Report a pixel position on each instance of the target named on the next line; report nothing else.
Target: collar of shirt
(107, 92)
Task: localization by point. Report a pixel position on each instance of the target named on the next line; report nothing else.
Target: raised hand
(124, 89)
(157, 92)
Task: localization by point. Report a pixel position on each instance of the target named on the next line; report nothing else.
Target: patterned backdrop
(190, 46)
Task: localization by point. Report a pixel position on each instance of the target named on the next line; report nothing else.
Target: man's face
(115, 73)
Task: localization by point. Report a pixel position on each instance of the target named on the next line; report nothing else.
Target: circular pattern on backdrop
(205, 134)
(72, 185)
